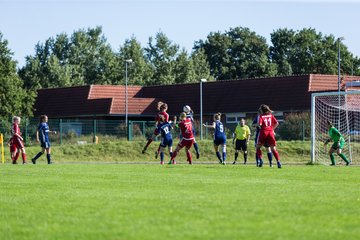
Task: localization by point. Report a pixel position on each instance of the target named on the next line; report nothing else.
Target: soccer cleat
(332, 165)
(162, 162)
(244, 163)
(197, 155)
(270, 165)
(348, 163)
(170, 162)
(14, 162)
(260, 163)
(33, 161)
(234, 162)
(190, 162)
(223, 163)
(278, 164)
(143, 151)
(156, 154)
(24, 162)
(173, 162)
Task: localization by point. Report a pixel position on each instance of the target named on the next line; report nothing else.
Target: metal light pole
(201, 108)
(126, 93)
(339, 60)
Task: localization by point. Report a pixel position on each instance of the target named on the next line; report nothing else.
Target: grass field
(123, 151)
(206, 201)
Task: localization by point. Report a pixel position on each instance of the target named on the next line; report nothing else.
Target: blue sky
(25, 22)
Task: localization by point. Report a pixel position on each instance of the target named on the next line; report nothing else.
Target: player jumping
(187, 140)
(162, 108)
(166, 138)
(190, 114)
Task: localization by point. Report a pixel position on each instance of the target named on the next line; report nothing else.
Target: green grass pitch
(207, 201)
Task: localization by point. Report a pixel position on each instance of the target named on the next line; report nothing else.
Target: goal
(343, 110)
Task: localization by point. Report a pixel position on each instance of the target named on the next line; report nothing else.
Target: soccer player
(166, 138)
(338, 144)
(190, 114)
(162, 108)
(242, 135)
(42, 136)
(219, 137)
(187, 140)
(259, 162)
(267, 124)
(17, 139)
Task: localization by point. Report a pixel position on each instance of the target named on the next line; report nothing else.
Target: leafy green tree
(140, 71)
(282, 40)
(307, 51)
(237, 53)
(83, 58)
(162, 54)
(14, 99)
(200, 66)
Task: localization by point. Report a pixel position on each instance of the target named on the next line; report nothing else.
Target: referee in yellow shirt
(242, 135)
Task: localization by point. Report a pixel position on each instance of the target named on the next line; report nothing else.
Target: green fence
(87, 131)
(81, 131)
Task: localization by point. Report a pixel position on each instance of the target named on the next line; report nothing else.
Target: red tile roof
(290, 93)
(320, 83)
(92, 100)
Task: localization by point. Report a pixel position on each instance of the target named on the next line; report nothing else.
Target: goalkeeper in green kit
(338, 144)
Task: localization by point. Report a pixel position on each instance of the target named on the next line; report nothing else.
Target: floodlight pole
(339, 60)
(126, 93)
(201, 108)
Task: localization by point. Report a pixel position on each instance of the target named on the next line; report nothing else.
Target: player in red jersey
(162, 108)
(267, 123)
(17, 139)
(187, 140)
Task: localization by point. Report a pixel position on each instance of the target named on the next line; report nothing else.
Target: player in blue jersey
(259, 162)
(219, 137)
(190, 115)
(42, 136)
(166, 138)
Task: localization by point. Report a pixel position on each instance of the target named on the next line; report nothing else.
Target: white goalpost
(343, 110)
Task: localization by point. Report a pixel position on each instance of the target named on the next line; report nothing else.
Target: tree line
(85, 57)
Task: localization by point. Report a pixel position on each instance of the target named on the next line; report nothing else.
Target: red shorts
(186, 143)
(12, 148)
(17, 143)
(266, 138)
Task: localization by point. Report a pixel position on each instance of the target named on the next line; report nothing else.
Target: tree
(83, 58)
(282, 40)
(162, 53)
(200, 66)
(237, 53)
(140, 71)
(307, 51)
(14, 99)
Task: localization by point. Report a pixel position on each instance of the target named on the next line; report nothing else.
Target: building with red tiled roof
(234, 98)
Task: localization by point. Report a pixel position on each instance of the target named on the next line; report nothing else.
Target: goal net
(343, 110)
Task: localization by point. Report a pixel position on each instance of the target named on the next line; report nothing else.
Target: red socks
(188, 155)
(258, 153)
(276, 155)
(23, 155)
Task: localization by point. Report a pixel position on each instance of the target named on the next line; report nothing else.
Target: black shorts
(241, 145)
